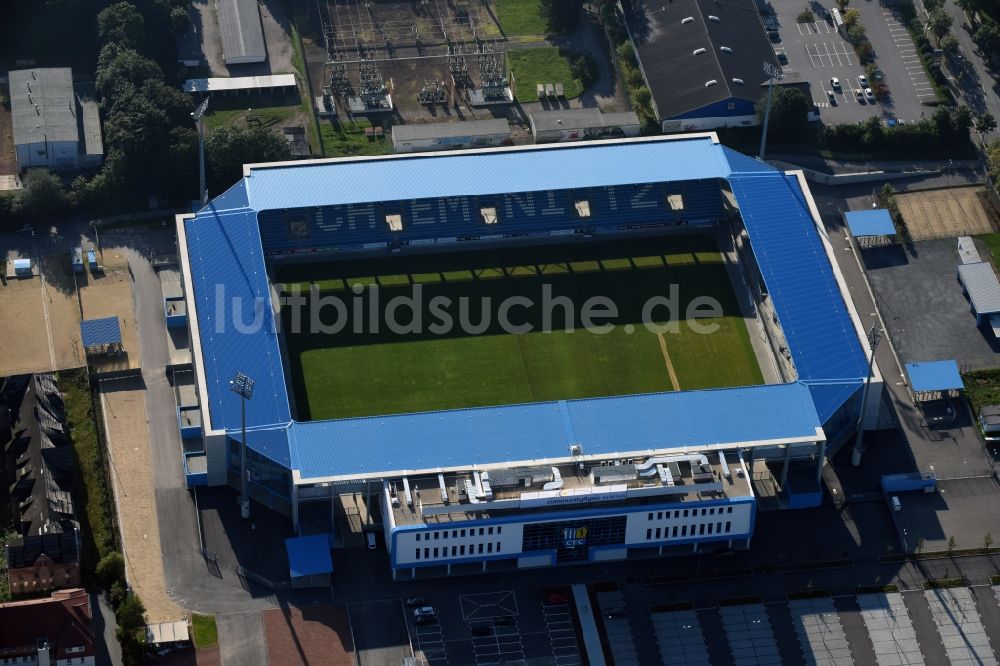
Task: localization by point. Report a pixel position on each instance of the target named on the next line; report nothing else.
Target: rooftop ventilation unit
(688, 19)
(699, 51)
(712, 17)
(613, 474)
(725, 49)
(737, 81)
(709, 84)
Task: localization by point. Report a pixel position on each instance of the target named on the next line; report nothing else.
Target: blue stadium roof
(876, 222)
(545, 430)
(309, 555)
(100, 332)
(229, 284)
(932, 376)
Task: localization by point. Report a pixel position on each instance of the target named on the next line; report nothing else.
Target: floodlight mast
(242, 385)
(198, 115)
(772, 74)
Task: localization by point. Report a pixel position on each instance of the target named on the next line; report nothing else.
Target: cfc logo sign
(574, 536)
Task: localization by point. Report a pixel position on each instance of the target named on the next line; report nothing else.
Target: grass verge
(982, 387)
(521, 18)
(342, 139)
(90, 484)
(944, 583)
(205, 633)
(547, 64)
(268, 116)
(305, 91)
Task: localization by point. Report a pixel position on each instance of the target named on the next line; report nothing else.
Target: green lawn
(268, 116)
(993, 241)
(205, 632)
(982, 388)
(354, 373)
(346, 139)
(520, 18)
(542, 65)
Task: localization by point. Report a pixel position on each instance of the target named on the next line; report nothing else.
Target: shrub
(110, 569)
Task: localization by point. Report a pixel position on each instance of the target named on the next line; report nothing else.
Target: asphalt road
(979, 86)
(241, 638)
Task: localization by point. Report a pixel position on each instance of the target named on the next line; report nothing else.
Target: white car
(860, 96)
(835, 83)
(869, 95)
(863, 80)
(831, 97)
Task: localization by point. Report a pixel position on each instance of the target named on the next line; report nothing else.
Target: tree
(41, 195)
(987, 36)
(561, 15)
(951, 545)
(856, 33)
(985, 123)
(227, 149)
(962, 120)
(121, 23)
(789, 116)
(939, 22)
(949, 42)
(180, 20)
(851, 16)
(110, 569)
(987, 541)
(843, 4)
(118, 66)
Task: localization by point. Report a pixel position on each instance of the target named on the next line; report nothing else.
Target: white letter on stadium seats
(549, 304)
(258, 316)
(463, 316)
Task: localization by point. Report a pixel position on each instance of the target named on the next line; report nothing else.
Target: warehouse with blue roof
(667, 472)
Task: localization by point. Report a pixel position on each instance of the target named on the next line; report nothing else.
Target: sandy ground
(35, 315)
(110, 295)
(944, 213)
(124, 406)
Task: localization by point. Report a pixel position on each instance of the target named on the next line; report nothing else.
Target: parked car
(835, 83)
(860, 96)
(424, 611)
(831, 97)
(863, 80)
(774, 36)
(503, 620)
(415, 601)
(556, 598)
(869, 95)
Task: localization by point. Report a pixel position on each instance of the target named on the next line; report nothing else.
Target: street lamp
(773, 73)
(198, 115)
(859, 448)
(242, 385)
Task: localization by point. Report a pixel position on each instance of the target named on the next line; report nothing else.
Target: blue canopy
(309, 555)
(934, 376)
(100, 332)
(870, 223)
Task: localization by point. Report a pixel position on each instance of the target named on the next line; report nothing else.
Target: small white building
(54, 128)
(448, 136)
(581, 124)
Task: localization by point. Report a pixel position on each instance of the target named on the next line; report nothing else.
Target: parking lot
(819, 54)
(497, 628)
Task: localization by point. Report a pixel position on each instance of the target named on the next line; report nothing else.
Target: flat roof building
(981, 286)
(54, 127)
(581, 125)
(450, 135)
(241, 30)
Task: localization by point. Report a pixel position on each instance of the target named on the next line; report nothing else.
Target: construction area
(430, 53)
(945, 213)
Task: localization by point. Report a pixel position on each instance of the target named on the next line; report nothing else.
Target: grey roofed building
(241, 31)
(448, 135)
(981, 286)
(702, 59)
(53, 126)
(577, 124)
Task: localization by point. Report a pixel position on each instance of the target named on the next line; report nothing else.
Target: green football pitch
(358, 371)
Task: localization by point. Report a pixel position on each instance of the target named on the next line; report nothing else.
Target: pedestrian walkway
(890, 629)
(679, 636)
(962, 632)
(751, 640)
(820, 633)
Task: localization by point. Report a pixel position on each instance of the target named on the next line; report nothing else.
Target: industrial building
(702, 61)
(54, 127)
(450, 136)
(548, 482)
(241, 31)
(581, 125)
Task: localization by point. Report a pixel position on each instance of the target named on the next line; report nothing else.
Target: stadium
(562, 440)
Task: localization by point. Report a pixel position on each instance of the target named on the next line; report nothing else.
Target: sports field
(358, 371)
